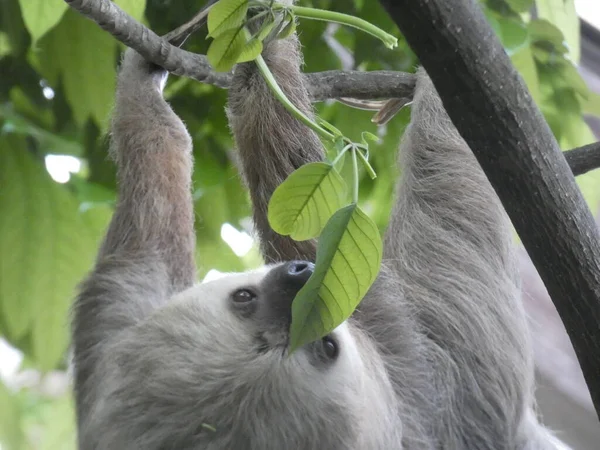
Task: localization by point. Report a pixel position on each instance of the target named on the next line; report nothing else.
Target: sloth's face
(259, 303)
(247, 317)
(218, 355)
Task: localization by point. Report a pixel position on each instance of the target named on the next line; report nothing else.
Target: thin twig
(321, 86)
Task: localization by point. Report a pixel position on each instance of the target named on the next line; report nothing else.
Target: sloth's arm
(271, 143)
(450, 246)
(447, 224)
(147, 253)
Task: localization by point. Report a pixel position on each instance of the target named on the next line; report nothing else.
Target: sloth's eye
(243, 296)
(330, 347)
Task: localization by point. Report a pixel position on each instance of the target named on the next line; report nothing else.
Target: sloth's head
(215, 362)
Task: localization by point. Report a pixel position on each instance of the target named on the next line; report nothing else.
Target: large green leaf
(84, 56)
(41, 15)
(47, 246)
(48, 142)
(562, 14)
(301, 205)
(348, 259)
(226, 15)
(135, 8)
(224, 51)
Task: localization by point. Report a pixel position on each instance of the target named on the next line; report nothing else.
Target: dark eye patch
(244, 301)
(331, 348)
(243, 296)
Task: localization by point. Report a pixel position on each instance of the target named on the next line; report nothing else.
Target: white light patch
(213, 275)
(10, 360)
(60, 167)
(48, 93)
(589, 10)
(239, 241)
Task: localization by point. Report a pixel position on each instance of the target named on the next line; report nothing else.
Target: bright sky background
(60, 167)
(589, 10)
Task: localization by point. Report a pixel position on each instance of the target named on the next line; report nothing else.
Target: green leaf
(5, 47)
(525, 64)
(251, 51)
(543, 31)
(12, 436)
(514, 34)
(84, 56)
(47, 246)
(290, 28)
(266, 29)
(49, 142)
(225, 50)
(302, 204)
(367, 136)
(226, 15)
(135, 8)
(592, 105)
(572, 78)
(41, 15)
(348, 260)
(520, 6)
(562, 14)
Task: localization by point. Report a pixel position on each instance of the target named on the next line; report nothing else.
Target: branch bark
(321, 86)
(583, 159)
(493, 111)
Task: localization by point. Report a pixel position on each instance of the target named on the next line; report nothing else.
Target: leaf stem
(342, 153)
(367, 165)
(287, 104)
(355, 170)
(344, 19)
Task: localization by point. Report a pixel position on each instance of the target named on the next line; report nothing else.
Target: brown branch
(321, 86)
(490, 106)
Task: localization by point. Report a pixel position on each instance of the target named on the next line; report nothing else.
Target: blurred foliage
(58, 77)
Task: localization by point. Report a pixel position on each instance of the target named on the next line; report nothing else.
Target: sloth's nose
(300, 271)
(294, 277)
(281, 286)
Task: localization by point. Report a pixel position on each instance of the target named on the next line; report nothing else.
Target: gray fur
(436, 357)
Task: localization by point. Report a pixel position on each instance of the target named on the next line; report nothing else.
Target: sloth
(436, 356)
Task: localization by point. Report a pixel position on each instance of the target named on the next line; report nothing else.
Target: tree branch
(583, 159)
(493, 111)
(133, 34)
(321, 86)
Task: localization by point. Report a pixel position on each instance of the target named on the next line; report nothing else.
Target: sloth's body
(436, 356)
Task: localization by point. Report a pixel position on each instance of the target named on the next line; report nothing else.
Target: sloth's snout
(281, 286)
(300, 271)
(294, 276)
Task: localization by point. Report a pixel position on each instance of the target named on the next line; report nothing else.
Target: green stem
(344, 19)
(367, 165)
(355, 169)
(342, 153)
(279, 94)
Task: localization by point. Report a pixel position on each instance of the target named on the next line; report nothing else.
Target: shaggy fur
(436, 357)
